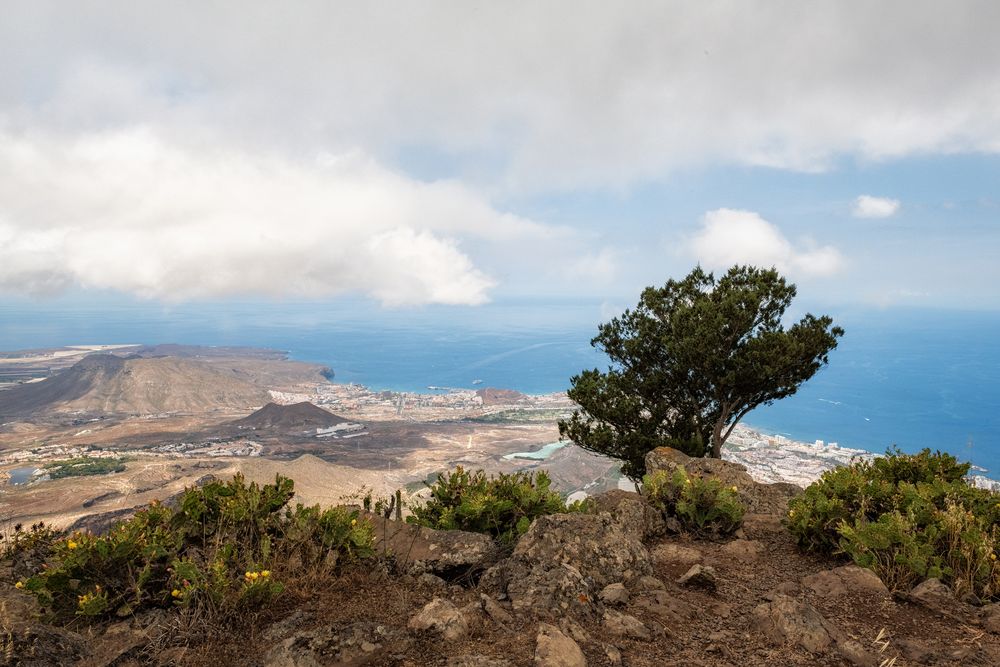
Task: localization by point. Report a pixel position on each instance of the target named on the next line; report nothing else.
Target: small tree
(691, 360)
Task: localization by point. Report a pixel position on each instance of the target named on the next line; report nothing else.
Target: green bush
(907, 518)
(218, 548)
(702, 506)
(502, 506)
(85, 466)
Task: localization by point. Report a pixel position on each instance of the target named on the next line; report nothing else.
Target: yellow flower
(354, 522)
(791, 512)
(993, 556)
(734, 488)
(176, 593)
(71, 545)
(19, 584)
(247, 575)
(265, 573)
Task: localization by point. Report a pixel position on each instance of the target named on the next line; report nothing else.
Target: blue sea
(911, 378)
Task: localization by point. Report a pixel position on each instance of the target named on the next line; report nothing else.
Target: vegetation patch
(225, 547)
(502, 505)
(702, 506)
(85, 466)
(907, 518)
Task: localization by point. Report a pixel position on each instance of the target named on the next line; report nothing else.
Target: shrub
(907, 518)
(218, 549)
(502, 506)
(702, 506)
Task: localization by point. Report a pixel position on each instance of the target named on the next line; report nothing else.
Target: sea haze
(905, 377)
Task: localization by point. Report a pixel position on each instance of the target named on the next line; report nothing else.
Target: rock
(564, 560)
(699, 576)
(631, 512)
(624, 625)
(786, 620)
(934, 595)
(676, 554)
(571, 628)
(286, 626)
(477, 661)
(743, 550)
(37, 645)
(784, 588)
(431, 581)
(614, 655)
(554, 649)
(441, 617)
(361, 642)
(493, 609)
(669, 609)
(648, 583)
(846, 580)
(615, 594)
(990, 618)
(449, 554)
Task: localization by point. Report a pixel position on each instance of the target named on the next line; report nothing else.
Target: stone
(564, 560)
(441, 617)
(786, 620)
(743, 550)
(554, 649)
(496, 612)
(449, 554)
(990, 618)
(613, 654)
(356, 643)
(431, 581)
(699, 576)
(573, 629)
(625, 625)
(672, 611)
(477, 661)
(676, 554)
(846, 580)
(934, 595)
(614, 594)
(631, 512)
(648, 583)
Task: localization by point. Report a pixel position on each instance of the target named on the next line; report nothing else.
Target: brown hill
(107, 384)
(302, 416)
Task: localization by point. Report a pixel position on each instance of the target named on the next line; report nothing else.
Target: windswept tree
(691, 360)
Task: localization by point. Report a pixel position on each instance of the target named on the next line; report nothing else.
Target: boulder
(631, 512)
(564, 560)
(624, 625)
(846, 580)
(450, 554)
(676, 554)
(743, 550)
(699, 576)
(614, 594)
(785, 620)
(359, 643)
(934, 595)
(671, 610)
(990, 618)
(554, 649)
(441, 617)
(762, 498)
(493, 609)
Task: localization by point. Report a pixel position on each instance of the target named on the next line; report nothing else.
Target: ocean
(909, 378)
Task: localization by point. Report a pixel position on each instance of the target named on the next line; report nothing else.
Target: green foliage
(217, 548)
(502, 506)
(17, 540)
(691, 360)
(702, 506)
(906, 517)
(84, 466)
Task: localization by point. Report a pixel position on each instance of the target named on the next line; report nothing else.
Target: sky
(458, 153)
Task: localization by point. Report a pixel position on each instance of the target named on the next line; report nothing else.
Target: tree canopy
(691, 360)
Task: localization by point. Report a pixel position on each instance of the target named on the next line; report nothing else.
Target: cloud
(130, 211)
(534, 97)
(729, 237)
(867, 206)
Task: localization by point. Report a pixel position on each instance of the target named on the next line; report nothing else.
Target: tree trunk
(717, 440)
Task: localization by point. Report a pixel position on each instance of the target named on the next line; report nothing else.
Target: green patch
(85, 466)
(702, 506)
(907, 518)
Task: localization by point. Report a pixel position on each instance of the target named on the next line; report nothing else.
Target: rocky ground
(611, 588)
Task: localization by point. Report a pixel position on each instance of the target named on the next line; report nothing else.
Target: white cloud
(867, 206)
(729, 237)
(127, 210)
(535, 96)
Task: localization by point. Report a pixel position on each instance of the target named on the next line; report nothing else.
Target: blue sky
(459, 153)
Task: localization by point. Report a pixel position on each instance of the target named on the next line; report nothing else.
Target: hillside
(108, 384)
(298, 417)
